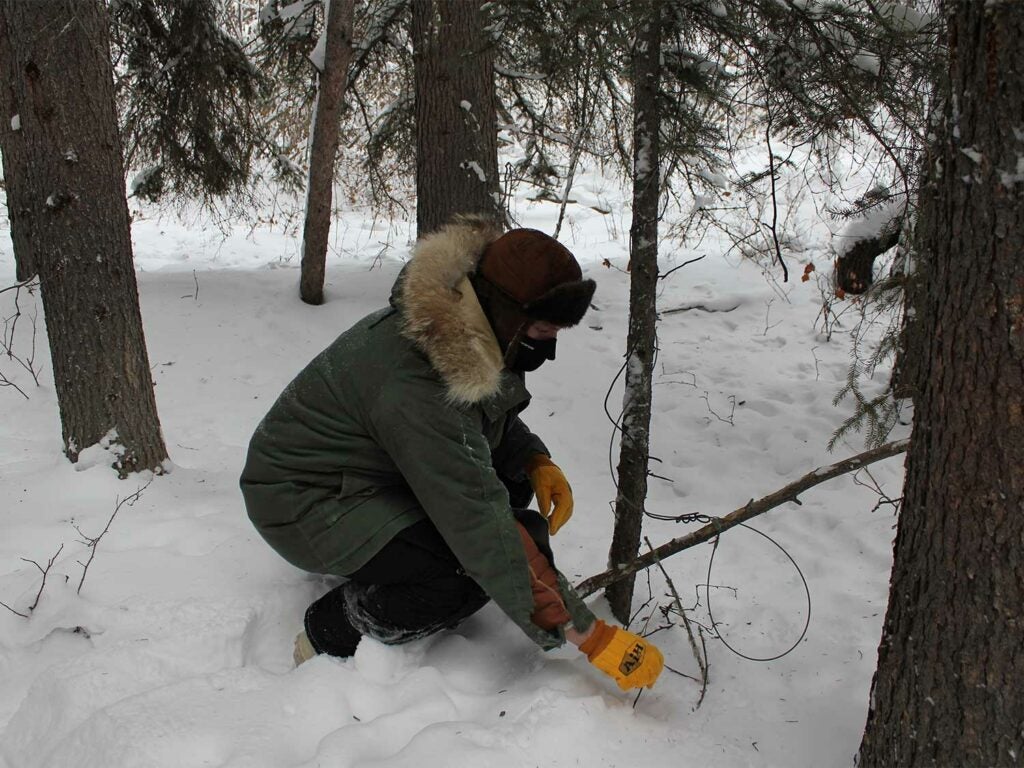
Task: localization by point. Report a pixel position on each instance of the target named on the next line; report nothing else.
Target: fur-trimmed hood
(441, 313)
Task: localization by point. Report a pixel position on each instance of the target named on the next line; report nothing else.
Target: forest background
(801, 142)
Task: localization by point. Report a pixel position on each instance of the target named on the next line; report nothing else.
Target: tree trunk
(12, 146)
(72, 207)
(319, 194)
(907, 369)
(456, 134)
(948, 688)
(641, 340)
(909, 363)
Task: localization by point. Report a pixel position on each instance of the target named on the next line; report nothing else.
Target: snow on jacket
(403, 417)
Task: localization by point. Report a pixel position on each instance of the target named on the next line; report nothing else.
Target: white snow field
(177, 651)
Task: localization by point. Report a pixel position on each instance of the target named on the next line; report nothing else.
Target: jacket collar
(441, 314)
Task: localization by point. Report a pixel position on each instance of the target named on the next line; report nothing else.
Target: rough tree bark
(641, 340)
(948, 688)
(456, 134)
(907, 369)
(324, 147)
(12, 147)
(72, 207)
(908, 365)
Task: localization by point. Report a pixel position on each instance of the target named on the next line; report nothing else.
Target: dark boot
(328, 629)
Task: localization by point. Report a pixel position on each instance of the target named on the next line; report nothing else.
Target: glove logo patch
(633, 658)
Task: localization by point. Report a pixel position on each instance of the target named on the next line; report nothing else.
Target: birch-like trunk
(323, 148)
(641, 339)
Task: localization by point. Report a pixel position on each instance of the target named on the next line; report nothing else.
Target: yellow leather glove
(550, 486)
(627, 658)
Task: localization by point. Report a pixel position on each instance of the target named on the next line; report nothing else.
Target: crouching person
(397, 458)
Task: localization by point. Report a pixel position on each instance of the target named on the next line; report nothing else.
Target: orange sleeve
(549, 609)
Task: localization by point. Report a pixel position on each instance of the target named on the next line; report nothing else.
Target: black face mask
(531, 353)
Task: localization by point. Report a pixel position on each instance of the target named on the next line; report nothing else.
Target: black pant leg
(412, 588)
(415, 584)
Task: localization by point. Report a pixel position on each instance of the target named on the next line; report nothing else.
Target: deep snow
(177, 652)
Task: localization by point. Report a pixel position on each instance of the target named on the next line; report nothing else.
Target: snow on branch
(516, 74)
(381, 22)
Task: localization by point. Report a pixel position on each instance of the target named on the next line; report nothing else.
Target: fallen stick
(751, 509)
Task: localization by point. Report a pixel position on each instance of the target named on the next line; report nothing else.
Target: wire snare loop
(707, 589)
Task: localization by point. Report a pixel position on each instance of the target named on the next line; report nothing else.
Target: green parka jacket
(397, 420)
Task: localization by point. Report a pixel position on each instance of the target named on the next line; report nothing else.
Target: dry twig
(16, 613)
(883, 497)
(92, 542)
(7, 339)
(45, 571)
(702, 662)
(732, 413)
(689, 261)
(5, 382)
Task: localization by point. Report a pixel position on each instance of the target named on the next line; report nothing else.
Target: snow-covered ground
(177, 651)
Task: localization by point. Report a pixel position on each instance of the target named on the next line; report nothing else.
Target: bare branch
(45, 571)
(690, 261)
(93, 542)
(773, 227)
(876, 487)
(195, 295)
(732, 413)
(16, 613)
(702, 662)
(752, 509)
(9, 332)
(5, 382)
(18, 286)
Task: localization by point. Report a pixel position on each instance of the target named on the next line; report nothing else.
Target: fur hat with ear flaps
(526, 275)
(469, 291)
